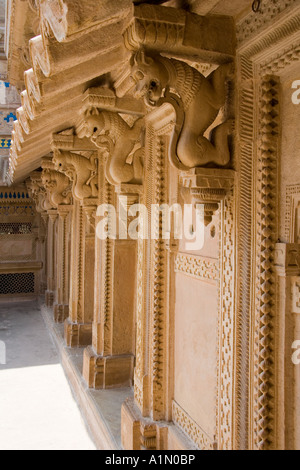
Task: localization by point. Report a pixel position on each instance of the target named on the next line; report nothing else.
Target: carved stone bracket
(56, 184)
(82, 172)
(207, 187)
(38, 193)
(180, 32)
(105, 99)
(119, 144)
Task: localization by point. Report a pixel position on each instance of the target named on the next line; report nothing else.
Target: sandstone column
(78, 160)
(109, 361)
(78, 327)
(51, 257)
(287, 373)
(61, 308)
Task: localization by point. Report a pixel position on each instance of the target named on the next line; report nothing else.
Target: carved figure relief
(82, 171)
(119, 143)
(58, 186)
(197, 101)
(39, 195)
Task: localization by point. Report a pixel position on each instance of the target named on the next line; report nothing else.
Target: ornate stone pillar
(51, 257)
(109, 362)
(171, 148)
(61, 307)
(82, 171)
(152, 382)
(58, 188)
(37, 193)
(78, 327)
(287, 341)
(49, 214)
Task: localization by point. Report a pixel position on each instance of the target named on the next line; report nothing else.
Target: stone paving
(37, 409)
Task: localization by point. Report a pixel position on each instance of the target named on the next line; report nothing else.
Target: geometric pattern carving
(19, 283)
(194, 432)
(282, 60)
(16, 209)
(226, 325)
(158, 304)
(269, 9)
(15, 228)
(252, 68)
(197, 266)
(267, 228)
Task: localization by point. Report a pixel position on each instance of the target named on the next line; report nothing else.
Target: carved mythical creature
(39, 195)
(58, 186)
(197, 103)
(120, 143)
(82, 171)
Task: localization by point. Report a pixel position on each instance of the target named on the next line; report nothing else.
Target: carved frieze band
(226, 325)
(268, 11)
(159, 292)
(197, 267)
(188, 425)
(267, 232)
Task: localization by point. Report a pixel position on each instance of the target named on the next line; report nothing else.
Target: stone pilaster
(51, 258)
(78, 327)
(109, 361)
(287, 372)
(61, 308)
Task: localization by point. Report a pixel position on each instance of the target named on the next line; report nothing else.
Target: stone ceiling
(57, 50)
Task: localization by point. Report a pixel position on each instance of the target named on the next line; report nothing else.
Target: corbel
(207, 187)
(119, 143)
(69, 160)
(181, 33)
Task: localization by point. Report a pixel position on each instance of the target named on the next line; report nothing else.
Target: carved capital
(53, 214)
(64, 210)
(90, 209)
(287, 259)
(207, 187)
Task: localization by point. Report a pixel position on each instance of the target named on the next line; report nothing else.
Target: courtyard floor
(37, 409)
